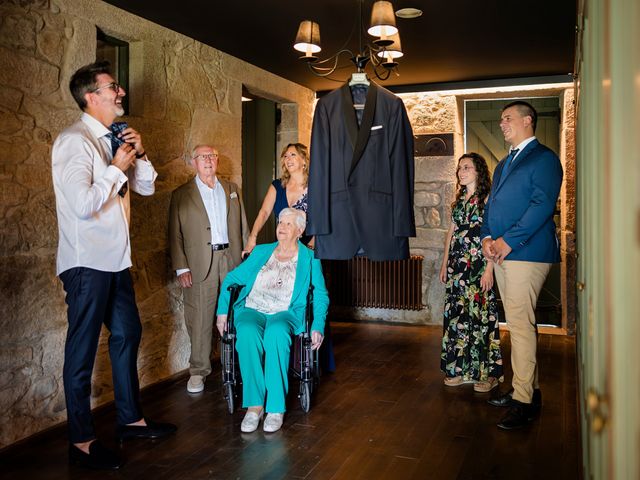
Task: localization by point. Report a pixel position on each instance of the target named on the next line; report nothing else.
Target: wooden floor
(384, 414)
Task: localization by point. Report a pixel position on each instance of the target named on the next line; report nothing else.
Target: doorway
(259, 164)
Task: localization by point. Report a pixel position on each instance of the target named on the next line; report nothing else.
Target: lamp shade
(383, 20)
(308, 38)
(394, 50)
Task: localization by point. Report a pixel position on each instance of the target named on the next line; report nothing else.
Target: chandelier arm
(386, 73)
(323, 71)
(334, 56)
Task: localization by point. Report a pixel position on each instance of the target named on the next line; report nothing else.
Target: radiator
(360, 282)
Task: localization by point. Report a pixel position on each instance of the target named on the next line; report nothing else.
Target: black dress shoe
(150, 430)
(98, 458)
(519, 415)
(503, 400)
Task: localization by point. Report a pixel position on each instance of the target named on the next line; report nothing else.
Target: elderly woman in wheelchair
(269, 309)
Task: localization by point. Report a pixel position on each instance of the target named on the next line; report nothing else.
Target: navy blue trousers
(95, 298)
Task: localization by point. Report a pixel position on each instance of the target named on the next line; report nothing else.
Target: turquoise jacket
(309, 269)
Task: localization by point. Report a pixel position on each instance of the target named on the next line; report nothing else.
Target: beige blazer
(190, 231)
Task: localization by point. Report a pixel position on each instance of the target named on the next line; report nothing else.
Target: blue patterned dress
(471, 339)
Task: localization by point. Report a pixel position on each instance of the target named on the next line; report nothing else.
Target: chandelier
(380, 52)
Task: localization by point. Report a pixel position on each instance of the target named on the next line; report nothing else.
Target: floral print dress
(471, 339)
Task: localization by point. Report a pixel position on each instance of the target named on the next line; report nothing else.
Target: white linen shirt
(93, 220)
(215, 204)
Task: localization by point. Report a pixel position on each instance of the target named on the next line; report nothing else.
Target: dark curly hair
(483, 182)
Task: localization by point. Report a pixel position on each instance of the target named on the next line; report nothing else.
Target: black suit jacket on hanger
(361, 179)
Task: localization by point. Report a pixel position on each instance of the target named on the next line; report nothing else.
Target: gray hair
(301, 217)
(200, 145)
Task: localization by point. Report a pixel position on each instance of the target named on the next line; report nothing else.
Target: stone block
(431, 112)
(428, 238)
(10, 123)
(435, 169)
(424, 199)
(427, 187)
(49, 117)
(433, 218)
(10, 98)
(12, 194)
(419, 217)
(51, 45)
(27, 73)
(18, 31)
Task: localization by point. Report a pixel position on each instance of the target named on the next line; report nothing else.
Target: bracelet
(140, 155)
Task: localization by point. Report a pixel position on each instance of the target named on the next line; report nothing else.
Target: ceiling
(453, 41)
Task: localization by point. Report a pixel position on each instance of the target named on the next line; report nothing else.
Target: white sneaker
(250, 421)
(195, 384)
(273, 422)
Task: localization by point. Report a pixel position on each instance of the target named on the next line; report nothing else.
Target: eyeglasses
(113, 86)
(206, 156)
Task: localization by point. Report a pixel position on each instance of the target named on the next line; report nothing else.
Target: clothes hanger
(359, 78)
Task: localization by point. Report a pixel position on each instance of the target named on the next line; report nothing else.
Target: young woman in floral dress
(471, 339)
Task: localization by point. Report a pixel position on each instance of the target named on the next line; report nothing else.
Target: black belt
(219, 246)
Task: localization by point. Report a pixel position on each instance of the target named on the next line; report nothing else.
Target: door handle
(597, 408)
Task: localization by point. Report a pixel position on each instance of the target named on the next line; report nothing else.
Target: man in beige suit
(207, 232)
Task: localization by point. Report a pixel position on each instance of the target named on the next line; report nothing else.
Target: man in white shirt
(207, 232)
(93, 172)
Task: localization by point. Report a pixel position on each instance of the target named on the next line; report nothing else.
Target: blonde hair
(303, 152)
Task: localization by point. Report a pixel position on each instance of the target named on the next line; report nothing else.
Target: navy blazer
(308, 270)
(520, 207)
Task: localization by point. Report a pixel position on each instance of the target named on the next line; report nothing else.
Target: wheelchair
(304, 363)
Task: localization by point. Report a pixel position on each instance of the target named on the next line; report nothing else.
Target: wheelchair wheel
(229, 396)
(305, 396)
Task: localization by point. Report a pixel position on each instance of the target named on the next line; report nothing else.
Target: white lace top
(273, 288)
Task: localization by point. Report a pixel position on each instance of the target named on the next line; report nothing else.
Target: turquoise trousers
(263, 344)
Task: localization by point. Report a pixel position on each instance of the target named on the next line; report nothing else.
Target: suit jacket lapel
(196, 198)
(519, 160)
(349, 114)
(365, 128)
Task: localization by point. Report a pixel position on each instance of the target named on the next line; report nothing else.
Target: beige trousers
(520, 284)
(199, 312)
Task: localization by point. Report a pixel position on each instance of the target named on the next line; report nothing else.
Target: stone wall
(182, 93)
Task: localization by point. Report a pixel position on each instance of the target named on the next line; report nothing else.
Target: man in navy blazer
(519, 235)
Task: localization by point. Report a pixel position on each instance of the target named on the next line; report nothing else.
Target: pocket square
(233, 195)
(376, 127)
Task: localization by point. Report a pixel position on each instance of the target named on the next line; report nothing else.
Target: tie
(510, 157)
(117, 128)
(508, 161)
